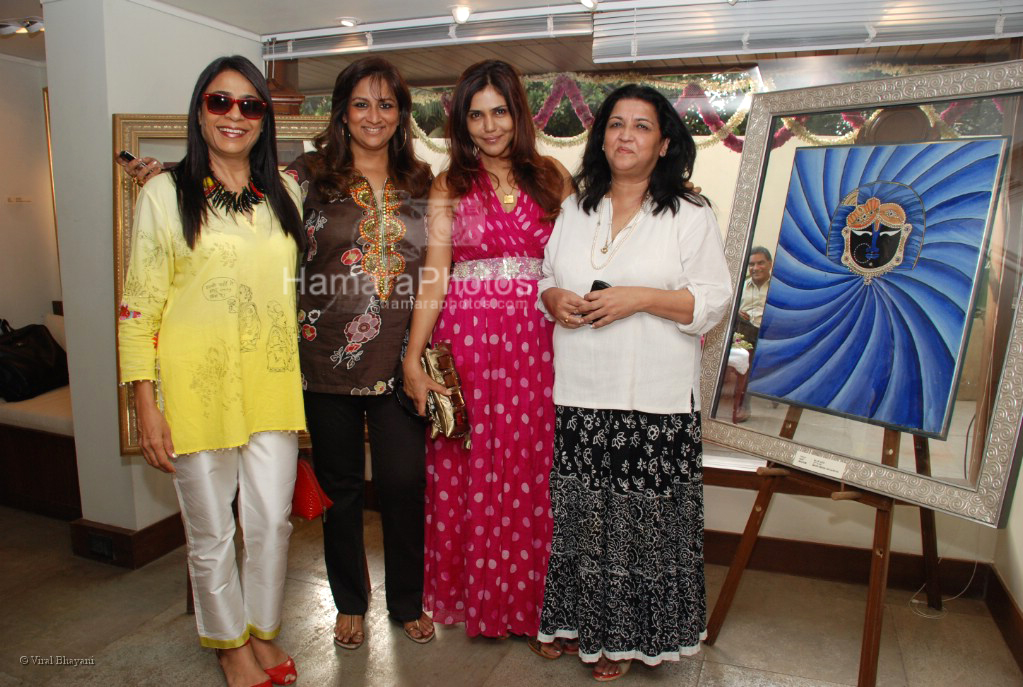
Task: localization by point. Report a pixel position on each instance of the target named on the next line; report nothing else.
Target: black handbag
(31, 362)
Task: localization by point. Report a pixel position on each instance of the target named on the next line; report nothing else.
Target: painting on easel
(875, 280)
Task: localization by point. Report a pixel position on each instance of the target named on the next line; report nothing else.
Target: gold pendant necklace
(626, 231)
(506, 198)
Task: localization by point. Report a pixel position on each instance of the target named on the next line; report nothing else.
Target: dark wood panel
(123, 547)
(1007, 616)
(844, 563)
(39, 473)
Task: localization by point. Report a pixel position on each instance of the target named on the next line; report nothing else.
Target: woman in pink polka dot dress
(488, 521)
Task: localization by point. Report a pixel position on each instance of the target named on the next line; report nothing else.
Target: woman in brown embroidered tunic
(364, 200)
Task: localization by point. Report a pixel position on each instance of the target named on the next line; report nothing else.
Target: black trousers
(398, 458)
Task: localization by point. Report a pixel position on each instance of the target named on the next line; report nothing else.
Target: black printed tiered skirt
(626, 568)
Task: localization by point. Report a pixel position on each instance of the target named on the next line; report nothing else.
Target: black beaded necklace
(220, 197)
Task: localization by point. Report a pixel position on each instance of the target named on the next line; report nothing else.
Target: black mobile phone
(126, 156)
(598, 285)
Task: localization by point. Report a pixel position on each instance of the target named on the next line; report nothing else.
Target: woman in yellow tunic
(208, 318)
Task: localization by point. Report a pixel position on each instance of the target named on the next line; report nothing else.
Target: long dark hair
(667, 181)
(334, 166)
(535, 174)
(190, 172)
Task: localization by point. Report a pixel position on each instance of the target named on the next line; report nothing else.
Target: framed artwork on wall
(893, 210)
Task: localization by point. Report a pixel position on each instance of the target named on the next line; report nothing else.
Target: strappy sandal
(570, 646)
(622, 666)
(412, 628)
(355, 637)
(548, 650)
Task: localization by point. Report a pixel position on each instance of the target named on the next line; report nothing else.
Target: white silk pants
(230, 606)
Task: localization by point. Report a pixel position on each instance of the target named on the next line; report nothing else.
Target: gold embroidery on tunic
(381, 229)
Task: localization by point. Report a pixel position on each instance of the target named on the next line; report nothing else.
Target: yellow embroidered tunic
(215, 326)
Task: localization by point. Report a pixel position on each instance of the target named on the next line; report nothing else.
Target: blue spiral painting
(874, 280)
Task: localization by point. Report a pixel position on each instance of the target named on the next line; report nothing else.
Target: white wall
(845, 523)
(106, 57)
(29, 279)
(1009, 554)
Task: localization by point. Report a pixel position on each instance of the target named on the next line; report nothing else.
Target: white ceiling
(275, 16)
(270, 16)
(427, 66)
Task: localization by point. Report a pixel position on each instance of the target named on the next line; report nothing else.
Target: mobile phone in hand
(599, 285)
(126, 156)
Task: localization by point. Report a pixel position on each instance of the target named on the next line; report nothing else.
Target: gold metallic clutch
(448, 414)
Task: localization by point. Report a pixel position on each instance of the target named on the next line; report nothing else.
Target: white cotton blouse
(643, 362)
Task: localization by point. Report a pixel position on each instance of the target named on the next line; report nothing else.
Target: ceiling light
(348, 22)
(461, 13)
(591, 5)
(24, 25)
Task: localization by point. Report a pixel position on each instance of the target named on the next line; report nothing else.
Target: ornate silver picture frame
(982, 454)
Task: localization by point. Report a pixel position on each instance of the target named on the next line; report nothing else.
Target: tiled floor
(782, 631)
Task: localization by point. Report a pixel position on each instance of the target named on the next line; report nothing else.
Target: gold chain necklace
(626, 231)
(506, 198)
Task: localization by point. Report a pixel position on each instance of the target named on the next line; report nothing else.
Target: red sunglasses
(219, 104)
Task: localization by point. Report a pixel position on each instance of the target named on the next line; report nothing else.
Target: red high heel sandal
(284, 674)
(267, 683)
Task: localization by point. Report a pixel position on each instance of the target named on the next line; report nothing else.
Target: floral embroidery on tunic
(313, 225)
(361, 330)
(127, 313)
(381, 230)
(377, 389)
(308, 328)
(351, 257)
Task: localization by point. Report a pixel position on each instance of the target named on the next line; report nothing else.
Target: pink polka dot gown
(488, 520)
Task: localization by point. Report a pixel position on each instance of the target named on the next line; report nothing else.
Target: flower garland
(421, 135)
(694, 95)
(567, 86)
(563, 142)
(564, 86)
(795, 126)
(721, 131)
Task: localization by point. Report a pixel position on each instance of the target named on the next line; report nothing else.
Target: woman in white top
(626, 570)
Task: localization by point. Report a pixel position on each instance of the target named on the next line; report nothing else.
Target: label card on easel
(819, 464)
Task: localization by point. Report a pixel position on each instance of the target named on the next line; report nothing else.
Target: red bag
(309, 501)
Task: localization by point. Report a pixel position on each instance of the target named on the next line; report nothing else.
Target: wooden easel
(773, 475)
